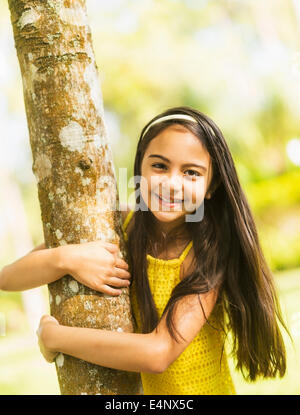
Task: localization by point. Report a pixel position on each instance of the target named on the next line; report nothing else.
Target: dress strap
(186, 251)
(127, 220)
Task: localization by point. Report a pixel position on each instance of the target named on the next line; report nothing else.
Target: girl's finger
(120, 263)
(121, 273)
(106, 289)
(47, 318)
(118, 282)
(113, 248)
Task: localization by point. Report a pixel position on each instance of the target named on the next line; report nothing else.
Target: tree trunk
(73, 165)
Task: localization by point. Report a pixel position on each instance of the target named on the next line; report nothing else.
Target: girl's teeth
(168, 201)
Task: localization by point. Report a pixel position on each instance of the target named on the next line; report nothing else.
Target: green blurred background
(236, 60)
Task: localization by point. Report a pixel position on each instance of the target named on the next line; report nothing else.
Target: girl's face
(176, 173)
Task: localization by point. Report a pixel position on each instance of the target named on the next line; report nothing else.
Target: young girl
(197, 274)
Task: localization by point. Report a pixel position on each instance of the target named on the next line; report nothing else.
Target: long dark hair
(227, 255)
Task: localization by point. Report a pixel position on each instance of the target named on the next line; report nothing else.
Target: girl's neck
(174, 233)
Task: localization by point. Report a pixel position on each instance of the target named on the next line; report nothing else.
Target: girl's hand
(97, 266)
(45, 321)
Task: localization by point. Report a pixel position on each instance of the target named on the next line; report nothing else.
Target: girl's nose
(174, 186)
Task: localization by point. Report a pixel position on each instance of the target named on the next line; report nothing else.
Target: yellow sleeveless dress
(199, 370)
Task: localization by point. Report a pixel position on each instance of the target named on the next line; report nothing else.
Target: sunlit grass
(23, 371)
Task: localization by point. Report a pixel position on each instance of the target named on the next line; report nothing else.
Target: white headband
(170, 117)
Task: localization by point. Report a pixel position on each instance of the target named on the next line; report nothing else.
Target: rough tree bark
(73, 165)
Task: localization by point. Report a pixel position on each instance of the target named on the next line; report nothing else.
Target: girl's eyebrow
(184, 165)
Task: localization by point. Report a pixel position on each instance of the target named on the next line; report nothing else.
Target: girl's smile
(168, 202)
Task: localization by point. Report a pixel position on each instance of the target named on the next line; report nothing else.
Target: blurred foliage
(276, 205)
(280, 192)
(232, 61)
(237, 61)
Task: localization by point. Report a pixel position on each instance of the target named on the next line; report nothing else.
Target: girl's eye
(158, 164)
(161, 166)
(194, 175)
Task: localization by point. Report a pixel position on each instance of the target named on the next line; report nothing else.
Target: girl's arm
(152, 352)
(38, 267)
(94, 264)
